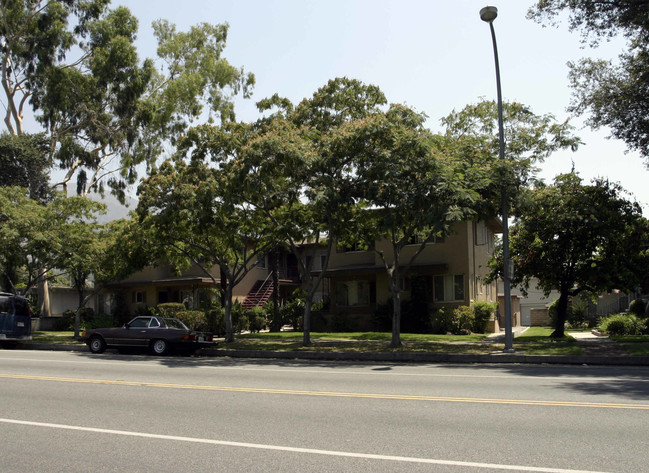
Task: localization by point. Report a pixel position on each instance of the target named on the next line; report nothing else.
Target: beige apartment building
(355, 283)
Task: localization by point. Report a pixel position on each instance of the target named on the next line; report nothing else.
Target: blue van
(15, 318)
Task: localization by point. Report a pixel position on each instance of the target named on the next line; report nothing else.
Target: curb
(505, 358)
(493, 358)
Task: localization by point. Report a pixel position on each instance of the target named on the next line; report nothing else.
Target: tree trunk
(229, 333)
(276, 325)
(562, 315)
(396, 315)
(77, 314)
(44, 295)
(306, 322)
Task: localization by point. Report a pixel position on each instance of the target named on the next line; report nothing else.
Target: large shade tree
(573, 237)
(34, 235)
(529, 139)
(408, 190)
(302, 182)
(192, 215)
(612, 93)
(73, 66)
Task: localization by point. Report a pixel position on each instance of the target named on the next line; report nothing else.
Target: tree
(103, 111)
(94, 255)
(24, 160)
(33, 235)
(410, 192)
(191, 215)
(529, 140)
(307, 183)
(574, 238)
(614, 94)
(74, 63)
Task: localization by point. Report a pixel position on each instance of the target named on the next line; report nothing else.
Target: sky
(435, 56)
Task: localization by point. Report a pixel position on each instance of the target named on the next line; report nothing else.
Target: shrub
(292, 311)
(341, 321)
(482, 311)
(622, 324)
(463, 319)
(382, 317)
(215, 320)
(457, 321)
(99, 321)
(638, 307)
(65, 322)
(257, 318)
(240, 321)
(171, 309)
(194, 319)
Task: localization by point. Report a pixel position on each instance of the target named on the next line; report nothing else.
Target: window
(352, 293)
(448, 288)
(140, 322)
(138, 297)
(417, 240)
(481, 235)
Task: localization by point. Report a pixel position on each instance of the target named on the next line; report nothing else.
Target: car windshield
(175, 323)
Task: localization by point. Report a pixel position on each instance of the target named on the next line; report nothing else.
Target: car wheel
(159, 347)
(97, 344)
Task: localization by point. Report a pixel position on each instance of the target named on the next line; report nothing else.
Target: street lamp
(489, 14)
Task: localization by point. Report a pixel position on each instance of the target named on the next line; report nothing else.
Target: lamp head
(488, 14)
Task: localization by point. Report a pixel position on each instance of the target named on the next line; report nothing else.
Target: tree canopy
(75, 65)
(574, 237)
(614, 94)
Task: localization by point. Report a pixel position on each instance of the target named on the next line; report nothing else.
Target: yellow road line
(401, 397)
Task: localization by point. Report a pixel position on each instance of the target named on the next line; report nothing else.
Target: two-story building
(355, 283)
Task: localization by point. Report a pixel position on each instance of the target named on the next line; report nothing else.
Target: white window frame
(450, 282)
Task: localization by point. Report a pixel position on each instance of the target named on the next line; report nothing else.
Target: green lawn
(541, 334)
(535, 341)
(53, 337)
(637, 349)
(366, 336)
(568, 349)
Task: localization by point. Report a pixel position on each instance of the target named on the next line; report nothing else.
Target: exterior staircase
(259, 294)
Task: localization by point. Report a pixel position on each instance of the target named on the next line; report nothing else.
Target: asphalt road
(74, 412)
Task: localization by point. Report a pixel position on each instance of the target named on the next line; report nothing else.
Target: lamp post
(489, 14)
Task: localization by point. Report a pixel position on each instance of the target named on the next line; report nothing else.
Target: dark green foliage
(623, 324)
(25, 162)
(170, 309)
(638, 307)
(215, 320)
(342, 322)
(257, 319)
(463, 319)
(194, 319)
(442, 321)
(382, 317)
(144, 311)
(482, 311)
(65, 322)
(240, 320)
(99, 321)
(615, 94)
(121, 313)
(573, 237)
